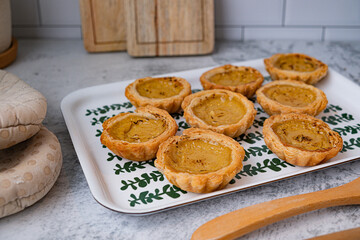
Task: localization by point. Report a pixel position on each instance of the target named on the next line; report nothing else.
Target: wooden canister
(5, 25)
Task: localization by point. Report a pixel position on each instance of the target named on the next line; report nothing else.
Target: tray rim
(94, 185)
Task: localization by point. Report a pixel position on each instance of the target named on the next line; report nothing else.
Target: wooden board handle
(350, 234)
(245, 220)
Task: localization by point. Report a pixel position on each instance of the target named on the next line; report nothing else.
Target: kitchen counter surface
(68, 211)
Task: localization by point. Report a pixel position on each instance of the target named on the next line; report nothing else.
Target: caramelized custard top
(290, 95)
(233, 77)
(134, 129)
(296, 63)
(159, 88)
(302, 134)
(219, 110)
(198, 156)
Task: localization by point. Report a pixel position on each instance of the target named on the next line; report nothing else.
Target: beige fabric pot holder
(22, 110)
(28, 171)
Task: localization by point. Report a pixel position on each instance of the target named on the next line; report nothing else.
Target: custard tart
(137, 136)
(165, 92)
(301, 139)
(200, 161)
(295, 66)
(220, 111)
(244, 80)
(290, 96)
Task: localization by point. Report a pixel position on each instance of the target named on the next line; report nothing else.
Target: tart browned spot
(244, 80)
(295, 66)
(200, 160)
(289, 96)
(219, 110)
(137, 136)
(164, 92)
(301, 139)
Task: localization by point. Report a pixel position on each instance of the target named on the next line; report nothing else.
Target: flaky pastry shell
(273, 107)
(201, 182)
(171, 104)
(310, 77)
(138, 151)
(246, 89)
(300, 156)
(231, 130)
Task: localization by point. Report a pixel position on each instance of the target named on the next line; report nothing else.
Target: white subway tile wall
(65, 32)
(282, 33)
(337, 34)
(63, 12)
(322, 12)
(333, 20)
(248, 12)
(25, 13)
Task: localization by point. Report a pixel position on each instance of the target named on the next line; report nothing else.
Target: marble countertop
(68, 211)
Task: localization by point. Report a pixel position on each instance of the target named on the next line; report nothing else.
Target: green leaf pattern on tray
(146, 197)
(251, 137)
(251, 170)
(351, 144)
(106, 108)
(142, 182)
(336, 119)
(348, 130)
(137, 176)
(256, 152)
(131, 166)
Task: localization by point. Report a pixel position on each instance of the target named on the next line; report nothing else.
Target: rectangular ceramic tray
(139, 188)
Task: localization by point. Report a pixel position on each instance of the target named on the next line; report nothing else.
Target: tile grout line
(39, 12)
(286, 26)
(283, 13)
(47, 26)
(243, 33)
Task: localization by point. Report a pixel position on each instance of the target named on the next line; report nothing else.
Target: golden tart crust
(301, 139)
(244, 80)
(290, 96)
(137, 136)
(221, 111)
(295, 66)
(200, 160)
(165, 92)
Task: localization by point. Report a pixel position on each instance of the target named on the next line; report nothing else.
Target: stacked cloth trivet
(30, 155)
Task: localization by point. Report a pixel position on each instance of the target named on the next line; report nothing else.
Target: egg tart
(244, 80)
(164, 92)
(295, 66)
(301, 139)
(137, 136)
(200, 160)
(290, 96)
(219, 110)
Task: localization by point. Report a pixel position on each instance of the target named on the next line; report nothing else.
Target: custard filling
(198, 156)
(296, 63)
(135, 129)
(290, 96)
(302, 134)
(159, 88)
(218, 110)
(233, 77)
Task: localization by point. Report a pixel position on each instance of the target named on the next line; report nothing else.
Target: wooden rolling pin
(240, 222)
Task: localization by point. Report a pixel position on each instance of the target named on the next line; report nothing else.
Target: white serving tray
(139, 188)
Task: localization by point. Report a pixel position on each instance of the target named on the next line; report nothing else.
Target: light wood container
(169, 27)
(148, 27)
(103, 25)
(8, 45)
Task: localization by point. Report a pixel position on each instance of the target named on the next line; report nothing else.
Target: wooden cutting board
(169, 27)
(103, 25)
